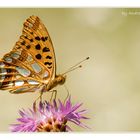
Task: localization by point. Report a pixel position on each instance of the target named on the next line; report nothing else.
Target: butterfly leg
(40, 97)
(68, 94)
(54, 94)
(41, 91)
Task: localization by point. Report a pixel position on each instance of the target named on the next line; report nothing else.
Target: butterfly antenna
(76, 66)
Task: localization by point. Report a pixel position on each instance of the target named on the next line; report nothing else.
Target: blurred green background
(108, 84)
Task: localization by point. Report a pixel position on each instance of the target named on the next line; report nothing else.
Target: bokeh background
(108, 84)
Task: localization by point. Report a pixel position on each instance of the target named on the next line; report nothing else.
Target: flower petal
(49, 112)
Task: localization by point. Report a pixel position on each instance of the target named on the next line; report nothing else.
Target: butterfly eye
(62, 81)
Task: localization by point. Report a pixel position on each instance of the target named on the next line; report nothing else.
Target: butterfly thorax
(58, 80)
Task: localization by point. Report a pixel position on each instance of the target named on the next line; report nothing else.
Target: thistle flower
(49, 117)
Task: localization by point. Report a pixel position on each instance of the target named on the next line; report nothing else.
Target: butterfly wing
(31, 62)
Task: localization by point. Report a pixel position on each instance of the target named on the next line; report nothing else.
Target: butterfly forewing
(31, 62)
(41, 48)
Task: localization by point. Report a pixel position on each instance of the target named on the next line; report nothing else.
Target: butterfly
(31, 64)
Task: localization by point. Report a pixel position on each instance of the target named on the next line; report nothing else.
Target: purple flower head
(49, 117)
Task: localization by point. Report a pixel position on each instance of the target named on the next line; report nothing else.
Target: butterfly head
(61, 79)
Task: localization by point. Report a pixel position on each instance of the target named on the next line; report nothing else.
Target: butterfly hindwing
(32, 60)
(13, 77)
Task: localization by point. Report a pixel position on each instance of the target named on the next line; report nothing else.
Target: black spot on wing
(45, 49)
(37, 38)
(48, 57)
(4, 84)
(49, 67)
(7, 76)
(9, 70)
(23, 43)
(46, 38)
(48, 63)
(38, 56)
(28, 46)
(31, 40)
(38, 47)
(42, 38)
